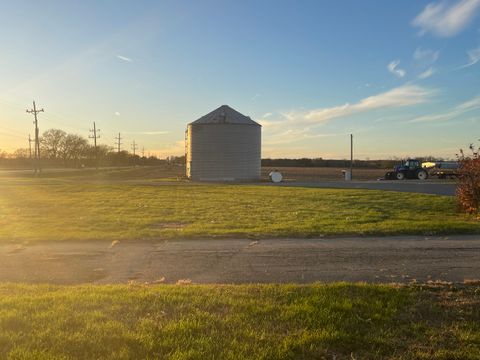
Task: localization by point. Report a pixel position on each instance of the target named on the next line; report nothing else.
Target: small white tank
(276, 176)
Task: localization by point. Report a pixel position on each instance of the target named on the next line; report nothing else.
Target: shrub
(468, 189)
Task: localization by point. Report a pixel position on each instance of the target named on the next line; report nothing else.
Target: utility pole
(119, 139)
(95, 136)
(30, 140)
(34, 111)
(143, 151)
(351, 155)
(134, 148)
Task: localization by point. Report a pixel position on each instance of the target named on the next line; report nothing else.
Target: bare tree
(62, 148)
(21, 154)
(51, 142)
(73, 147)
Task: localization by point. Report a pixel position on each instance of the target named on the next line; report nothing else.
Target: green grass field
(32, 210)
(340, 321)
(336, 321)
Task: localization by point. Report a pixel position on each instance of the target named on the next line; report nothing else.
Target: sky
(402, 76)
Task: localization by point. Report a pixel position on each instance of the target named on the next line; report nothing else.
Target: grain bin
(223, 145)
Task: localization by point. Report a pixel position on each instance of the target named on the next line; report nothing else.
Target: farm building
(223, 145)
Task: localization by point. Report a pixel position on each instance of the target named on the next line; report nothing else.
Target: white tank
(223, 145)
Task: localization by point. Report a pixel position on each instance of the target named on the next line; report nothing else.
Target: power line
(12, 131)
(57, 115)
(95, 136)
(62, 125)
(34, 111)
(61, 117)
(14, 105)
(12, 135)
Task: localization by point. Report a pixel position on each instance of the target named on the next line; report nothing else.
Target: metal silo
(223, 145)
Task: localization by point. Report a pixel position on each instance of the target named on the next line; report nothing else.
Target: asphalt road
(376, 259)
(412, 186)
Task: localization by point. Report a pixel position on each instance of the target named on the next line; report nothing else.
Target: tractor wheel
(400, 175)
(422, 175)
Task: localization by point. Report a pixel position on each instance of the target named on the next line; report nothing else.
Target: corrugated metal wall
(223, 152)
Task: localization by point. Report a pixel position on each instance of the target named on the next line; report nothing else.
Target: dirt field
(314, 174)
(177, 172)
(378, 260)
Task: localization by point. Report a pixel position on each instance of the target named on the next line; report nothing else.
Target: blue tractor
(410, 169)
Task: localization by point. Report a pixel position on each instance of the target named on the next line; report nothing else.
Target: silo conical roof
(225, 115)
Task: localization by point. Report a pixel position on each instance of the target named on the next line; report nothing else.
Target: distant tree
(21, 154)
(72, 148)
(176, 160)
(431, 158)
(103, 151)
(118, 158)
(51, 142)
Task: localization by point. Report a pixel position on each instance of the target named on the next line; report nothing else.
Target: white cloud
(117, 113)
(446, 20)
(427, 73)
(299, 125)
(294, 135)
(366, 85)
(268, 123)
(148, 132)
(401, 96)
(255, 97)
(424, 59)
(473, 57)
(470, 105)
(174, 149)
(393, 68)
(425, 56)
(154, 132)
(124, 58)
(266, 115)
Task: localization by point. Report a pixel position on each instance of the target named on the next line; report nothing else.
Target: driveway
(401, 259)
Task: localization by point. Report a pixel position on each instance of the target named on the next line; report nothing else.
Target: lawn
(50, 209)
(337, 321)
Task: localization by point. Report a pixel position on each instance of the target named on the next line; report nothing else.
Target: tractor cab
(412, 164)
(409, 165)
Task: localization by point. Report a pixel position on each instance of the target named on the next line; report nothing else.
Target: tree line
(61, 149)
(319, 162)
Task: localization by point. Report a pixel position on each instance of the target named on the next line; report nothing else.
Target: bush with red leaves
(468, 189)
